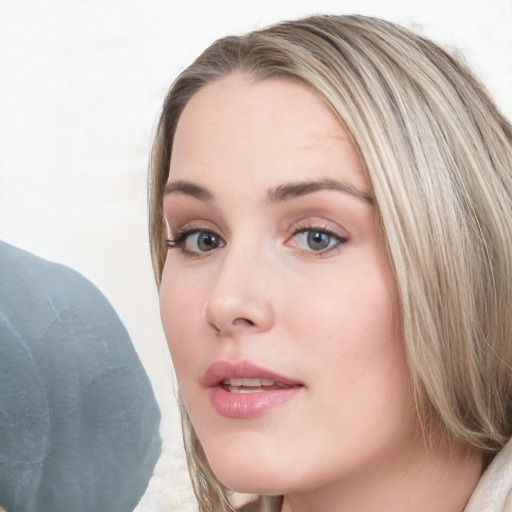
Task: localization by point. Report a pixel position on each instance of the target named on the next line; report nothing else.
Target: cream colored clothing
(494, 491)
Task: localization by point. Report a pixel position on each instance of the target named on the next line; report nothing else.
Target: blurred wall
(81, 83)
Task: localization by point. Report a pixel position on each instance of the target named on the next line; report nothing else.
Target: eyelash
(339, 239)
(181, 238)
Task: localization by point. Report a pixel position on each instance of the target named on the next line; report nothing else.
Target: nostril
(240, 322)
(237, 323)
(227, 315)
(218, 332)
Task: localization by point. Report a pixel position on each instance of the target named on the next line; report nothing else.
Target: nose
(240, 300)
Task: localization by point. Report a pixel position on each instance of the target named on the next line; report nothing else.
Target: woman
(331, 229)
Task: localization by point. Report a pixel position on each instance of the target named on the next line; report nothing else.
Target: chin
(248, 474)
(252, 482)
(260, 475)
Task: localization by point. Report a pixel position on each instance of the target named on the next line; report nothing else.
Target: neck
(428, 482)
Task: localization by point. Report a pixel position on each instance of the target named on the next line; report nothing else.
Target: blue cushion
(78, 417)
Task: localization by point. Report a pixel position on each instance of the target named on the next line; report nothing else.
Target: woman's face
(276, 298)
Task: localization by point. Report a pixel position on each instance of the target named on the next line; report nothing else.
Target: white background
(81, 83)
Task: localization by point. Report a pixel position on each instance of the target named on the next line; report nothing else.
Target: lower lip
(249, 405)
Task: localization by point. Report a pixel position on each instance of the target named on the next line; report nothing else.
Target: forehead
(276, 127)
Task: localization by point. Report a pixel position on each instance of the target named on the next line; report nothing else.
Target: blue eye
(203, 240)
(317, 240)
(195, 242)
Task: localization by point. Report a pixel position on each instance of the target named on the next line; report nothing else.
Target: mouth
(255, 385)
(245, 375)
(244, 390)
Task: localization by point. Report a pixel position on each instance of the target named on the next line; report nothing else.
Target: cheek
(352, 312)
(180, 311)
(350, 333)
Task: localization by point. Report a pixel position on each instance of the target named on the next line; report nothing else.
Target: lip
(246, 405)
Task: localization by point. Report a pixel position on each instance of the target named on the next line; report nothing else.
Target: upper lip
(222, 370)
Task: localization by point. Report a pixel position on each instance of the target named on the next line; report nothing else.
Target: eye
(195, 241)
(317, 240)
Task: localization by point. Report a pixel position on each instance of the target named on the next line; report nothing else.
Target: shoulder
(494, 490)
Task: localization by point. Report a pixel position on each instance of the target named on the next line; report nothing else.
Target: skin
(348, 441)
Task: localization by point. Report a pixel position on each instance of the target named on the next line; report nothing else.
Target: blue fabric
(78, 418)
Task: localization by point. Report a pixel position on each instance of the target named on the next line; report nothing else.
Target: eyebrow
(289, 191)
(278, 194)
(188, 188)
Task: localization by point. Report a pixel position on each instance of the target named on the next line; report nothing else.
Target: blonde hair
(437, 153)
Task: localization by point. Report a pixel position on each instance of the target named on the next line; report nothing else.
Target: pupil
(207, 242)
(318, 240)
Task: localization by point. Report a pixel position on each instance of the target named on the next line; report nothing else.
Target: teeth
(251, 383)
(232, 382)
(245, 391)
